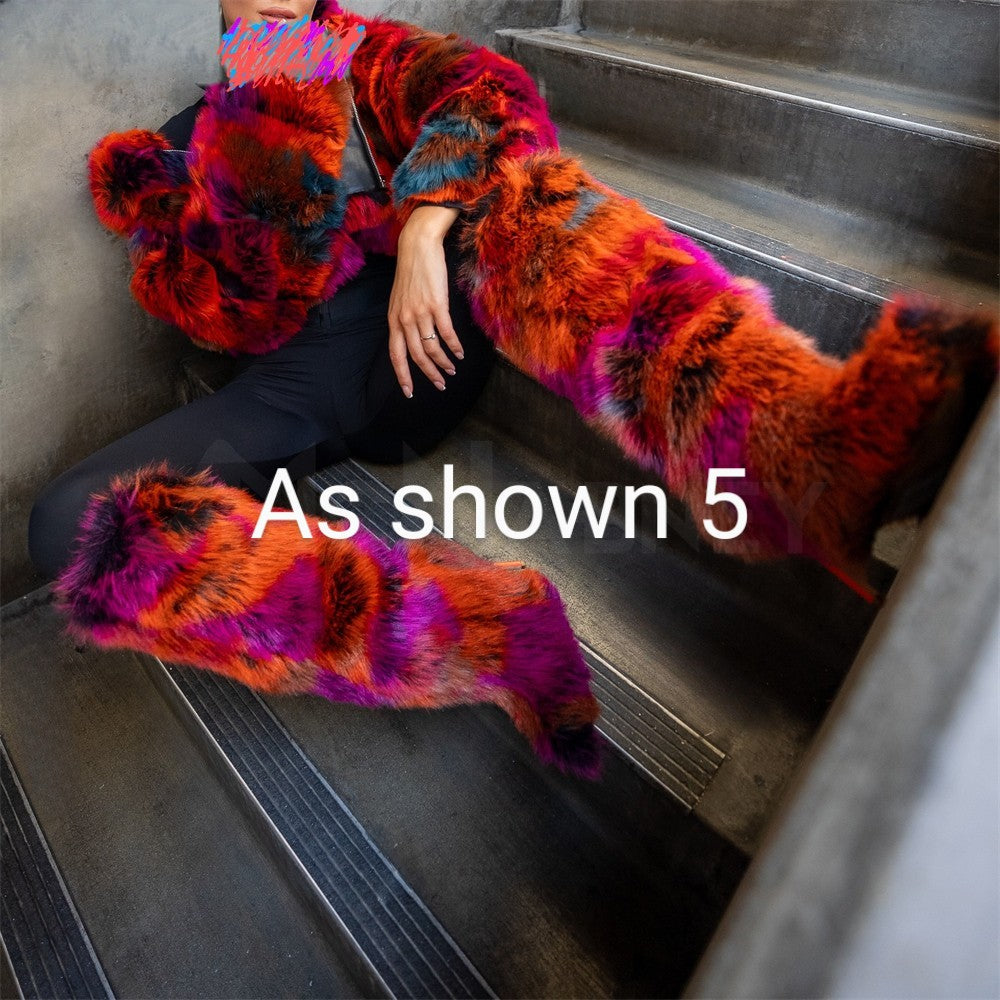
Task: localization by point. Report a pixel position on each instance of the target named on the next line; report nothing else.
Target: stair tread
(173, 886)
(869, 257)
(405, 948)
(940, 115)
(363, 799)
(878, 40)
(553, 886)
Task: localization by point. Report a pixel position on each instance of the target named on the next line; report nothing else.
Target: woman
(684, 365)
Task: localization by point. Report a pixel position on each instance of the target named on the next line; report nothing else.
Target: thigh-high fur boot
(687, 368)
(166, 564)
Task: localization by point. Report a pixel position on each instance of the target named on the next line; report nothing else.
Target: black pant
(327, 393)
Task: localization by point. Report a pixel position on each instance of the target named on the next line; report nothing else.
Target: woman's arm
(452, 110)
(231, 241)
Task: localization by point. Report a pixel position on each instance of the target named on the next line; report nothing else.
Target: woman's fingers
(419, 354)
(400, 358)
(419, 321)
(442, 320)
(430, 341)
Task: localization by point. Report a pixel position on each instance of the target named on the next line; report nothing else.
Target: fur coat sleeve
(451, 111)
(236, 239)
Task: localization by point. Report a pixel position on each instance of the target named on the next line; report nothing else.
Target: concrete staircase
(834, 163)
(191, 838)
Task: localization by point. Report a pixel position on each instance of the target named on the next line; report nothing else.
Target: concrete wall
(878, 876)
(82, 364)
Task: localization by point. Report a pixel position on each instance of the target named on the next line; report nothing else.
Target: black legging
(327, 393)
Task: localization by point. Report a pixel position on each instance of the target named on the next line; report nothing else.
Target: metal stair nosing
(44, 939)
(649, 735)
(385, 933)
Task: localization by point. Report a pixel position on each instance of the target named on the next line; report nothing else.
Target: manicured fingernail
(440, 385)
(407, 392)
(459, 355)
(451, 371)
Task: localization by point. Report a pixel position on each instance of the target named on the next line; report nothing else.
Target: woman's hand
(419, 299)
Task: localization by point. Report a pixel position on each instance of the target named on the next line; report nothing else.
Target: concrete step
(388, 937)
(829, 271)
(904, 42)
(178, 894)
(919, 161)
(552, 886)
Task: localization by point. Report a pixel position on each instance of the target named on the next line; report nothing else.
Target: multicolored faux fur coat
(234, 241)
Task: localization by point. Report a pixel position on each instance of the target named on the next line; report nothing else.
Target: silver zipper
(357, 118)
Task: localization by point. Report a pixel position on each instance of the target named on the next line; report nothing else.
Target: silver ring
(433, 336)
